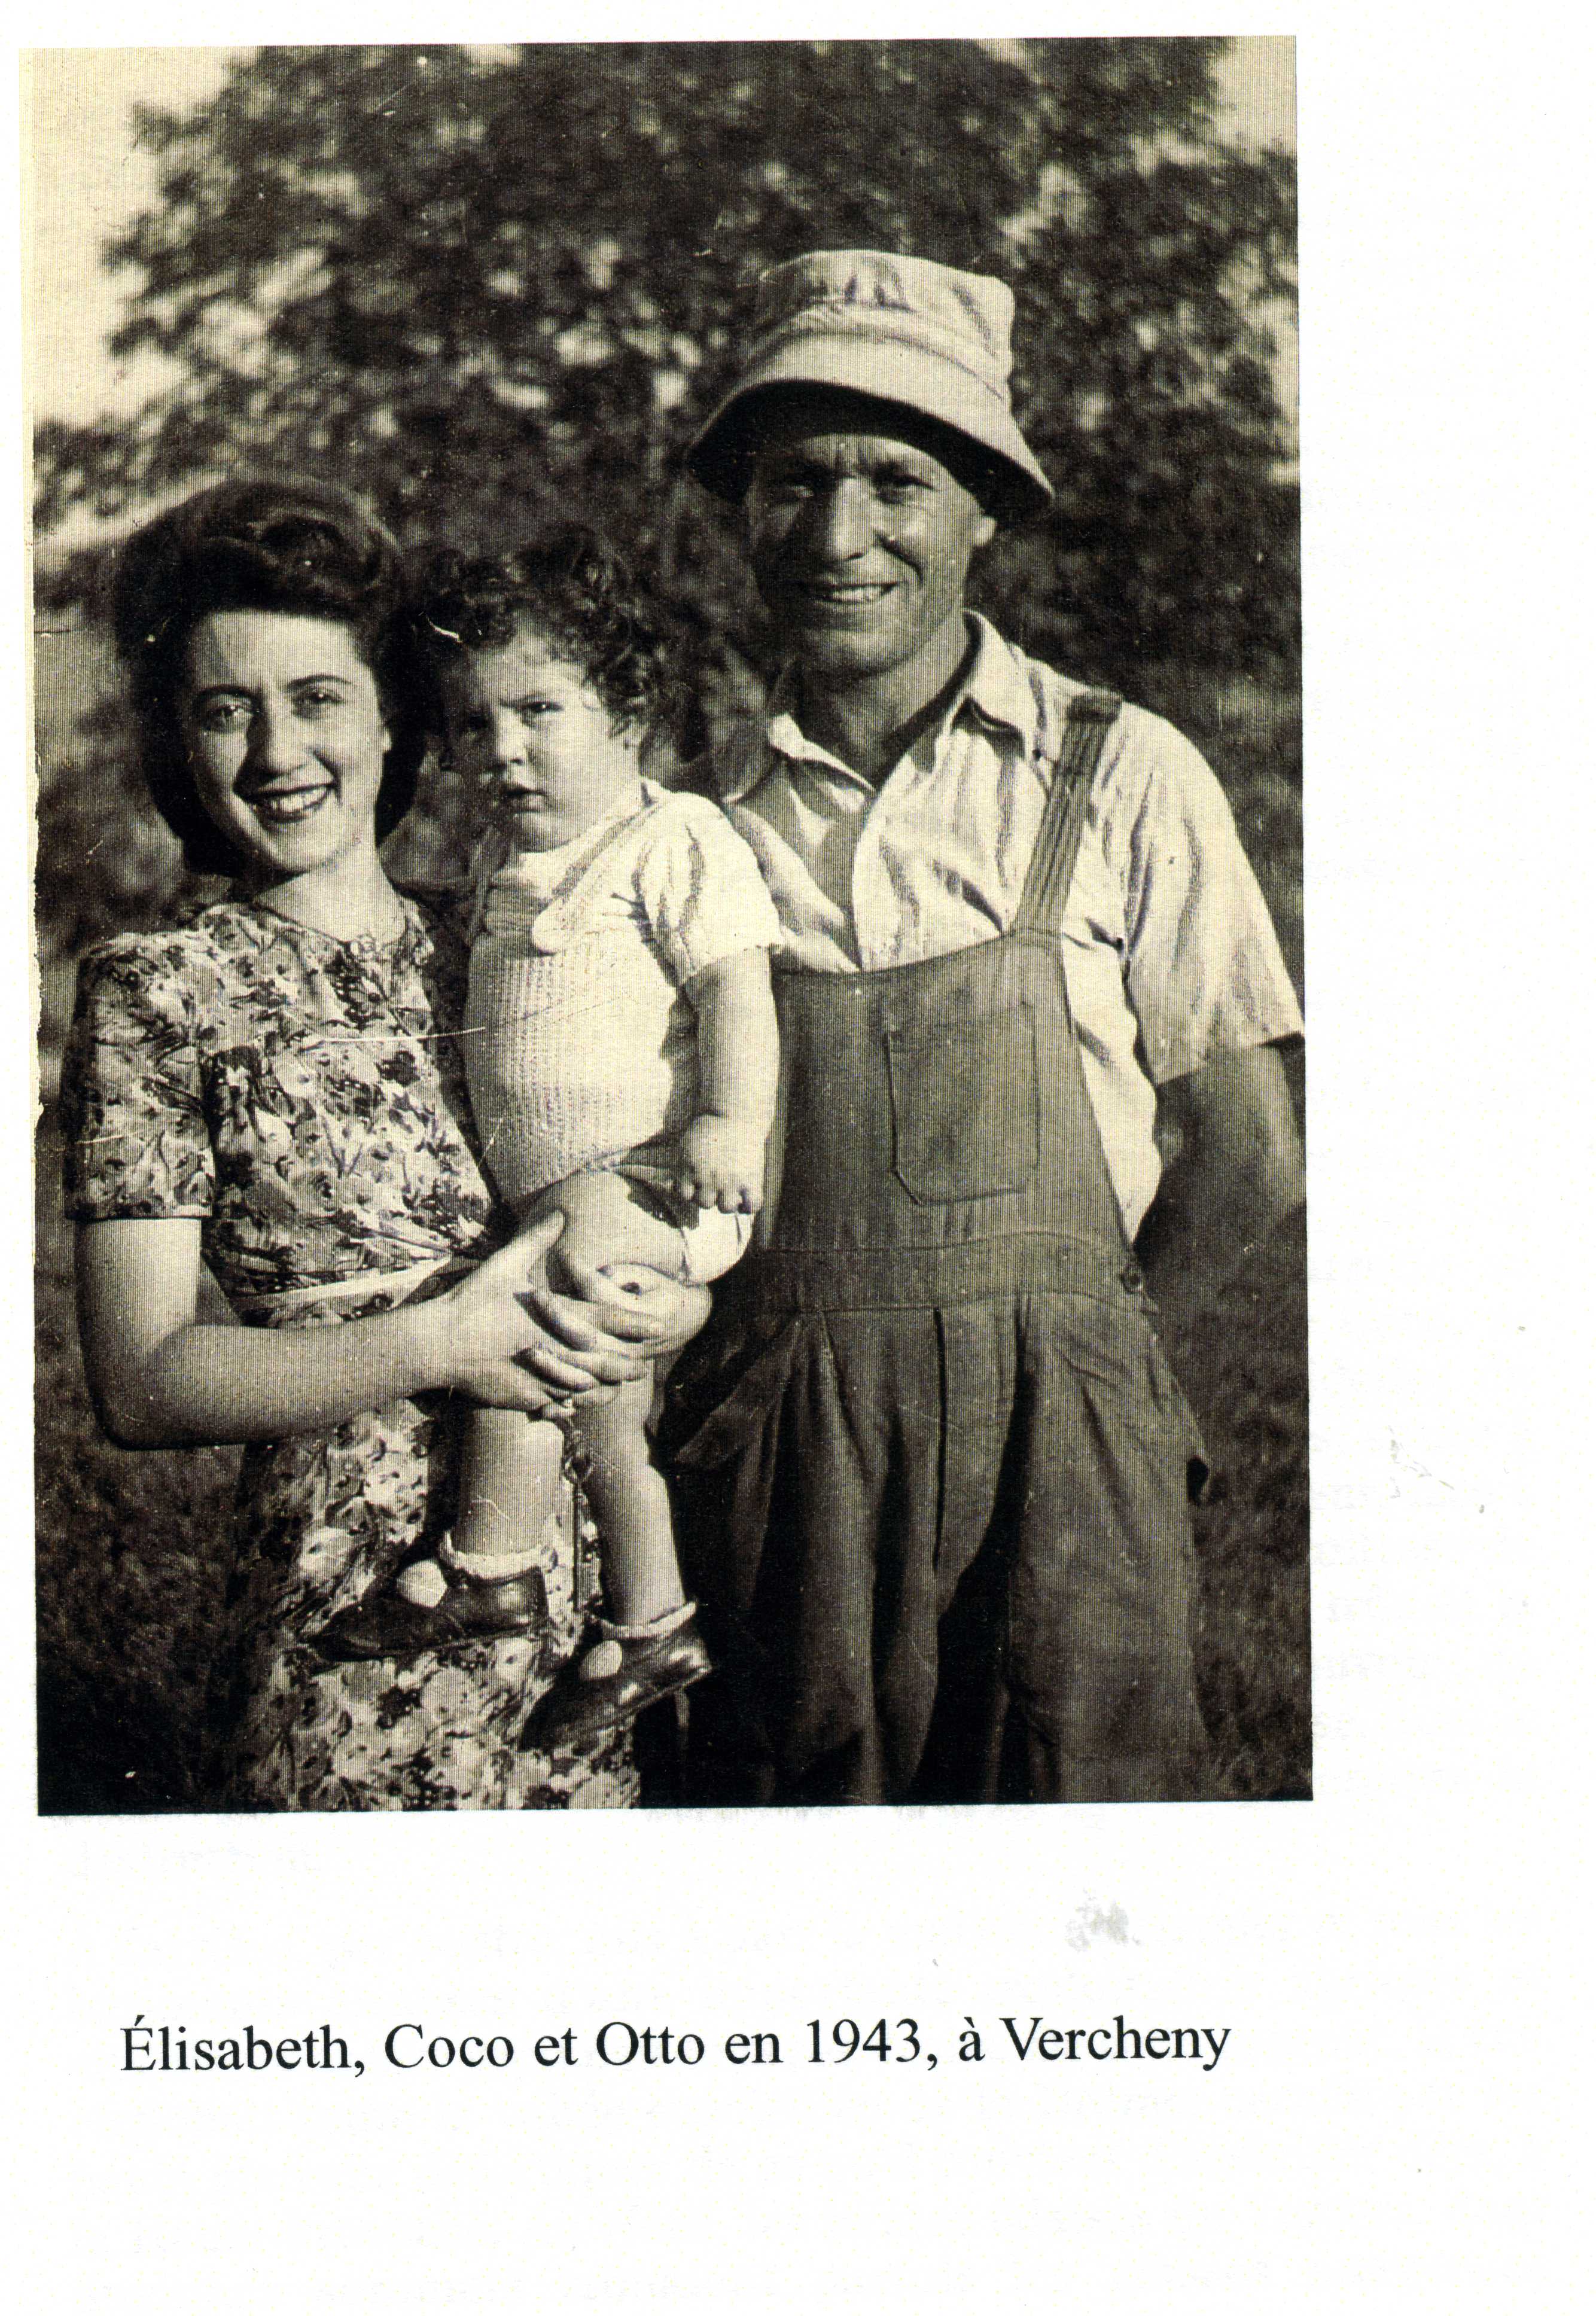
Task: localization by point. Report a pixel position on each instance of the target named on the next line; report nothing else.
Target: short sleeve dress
(302, 1097)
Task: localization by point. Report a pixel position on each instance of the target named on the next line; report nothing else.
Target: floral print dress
(302, 1097)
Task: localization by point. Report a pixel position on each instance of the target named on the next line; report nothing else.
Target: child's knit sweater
(581, 1047)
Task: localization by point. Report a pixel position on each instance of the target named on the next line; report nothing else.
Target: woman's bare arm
(161, 1379)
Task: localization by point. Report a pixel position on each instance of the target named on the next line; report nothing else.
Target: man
(933, 1466)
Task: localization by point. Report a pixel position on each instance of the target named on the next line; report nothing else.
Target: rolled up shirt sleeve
(1203, 968)
(704, 893)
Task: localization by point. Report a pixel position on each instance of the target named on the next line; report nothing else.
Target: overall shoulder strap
(1089, 717)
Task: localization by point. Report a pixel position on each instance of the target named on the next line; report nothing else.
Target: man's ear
(985, 531)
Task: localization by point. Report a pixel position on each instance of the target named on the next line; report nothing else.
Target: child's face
(530, 727)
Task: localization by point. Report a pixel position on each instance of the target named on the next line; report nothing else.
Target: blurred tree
(482, 283)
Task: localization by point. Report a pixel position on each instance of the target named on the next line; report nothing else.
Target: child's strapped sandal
(386, 1624)
(613, 1678)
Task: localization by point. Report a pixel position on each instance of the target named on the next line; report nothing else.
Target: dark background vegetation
(482, 286)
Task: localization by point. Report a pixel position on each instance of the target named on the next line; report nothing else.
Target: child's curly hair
(570, 589)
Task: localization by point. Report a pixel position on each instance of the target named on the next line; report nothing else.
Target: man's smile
(842, 592)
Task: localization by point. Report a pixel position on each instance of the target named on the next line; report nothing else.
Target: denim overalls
(932, 1467)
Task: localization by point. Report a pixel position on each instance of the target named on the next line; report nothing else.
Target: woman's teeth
(279, 806)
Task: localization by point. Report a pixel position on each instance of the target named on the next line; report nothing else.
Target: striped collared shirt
(1169, 953)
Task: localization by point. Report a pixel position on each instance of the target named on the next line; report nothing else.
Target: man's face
(860, 543)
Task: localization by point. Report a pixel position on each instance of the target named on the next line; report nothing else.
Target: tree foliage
(484, 284)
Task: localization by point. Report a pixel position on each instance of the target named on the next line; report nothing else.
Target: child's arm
(721, 1154)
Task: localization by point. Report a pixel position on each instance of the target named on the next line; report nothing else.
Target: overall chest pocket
(965, 1110)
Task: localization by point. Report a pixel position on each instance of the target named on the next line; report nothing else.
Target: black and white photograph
(704, 695)
(769, 1023)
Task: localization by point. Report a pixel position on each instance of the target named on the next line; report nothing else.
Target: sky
(91, 179)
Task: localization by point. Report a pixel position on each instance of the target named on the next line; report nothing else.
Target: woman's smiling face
(285, 739)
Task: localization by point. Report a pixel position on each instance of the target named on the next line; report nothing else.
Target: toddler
(621, 1054)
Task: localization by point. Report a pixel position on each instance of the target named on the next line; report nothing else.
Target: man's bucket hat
(898, 329)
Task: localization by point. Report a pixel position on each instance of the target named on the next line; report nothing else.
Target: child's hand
(720, 1161)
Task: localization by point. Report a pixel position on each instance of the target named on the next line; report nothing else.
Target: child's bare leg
(509, 1484)
(510, 1477)
(650, 1647)
(510, 1467)
(610, 1225)
(630, 1505)
(483, 1580)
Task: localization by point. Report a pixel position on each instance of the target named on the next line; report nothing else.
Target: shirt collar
(998, 687)
(995, 689)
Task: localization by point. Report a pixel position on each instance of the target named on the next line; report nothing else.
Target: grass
(130, 1545)
(1245, 1366)
(129, 1561)
(129, 1572)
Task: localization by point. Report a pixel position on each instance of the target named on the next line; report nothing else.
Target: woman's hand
(600, 1321)
(487, 1342)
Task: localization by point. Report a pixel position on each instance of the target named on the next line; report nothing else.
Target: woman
(273, 1091)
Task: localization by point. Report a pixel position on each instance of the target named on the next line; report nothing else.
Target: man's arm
(1237, 1173)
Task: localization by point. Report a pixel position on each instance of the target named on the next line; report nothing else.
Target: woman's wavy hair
(569, 588)
(262, 543)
